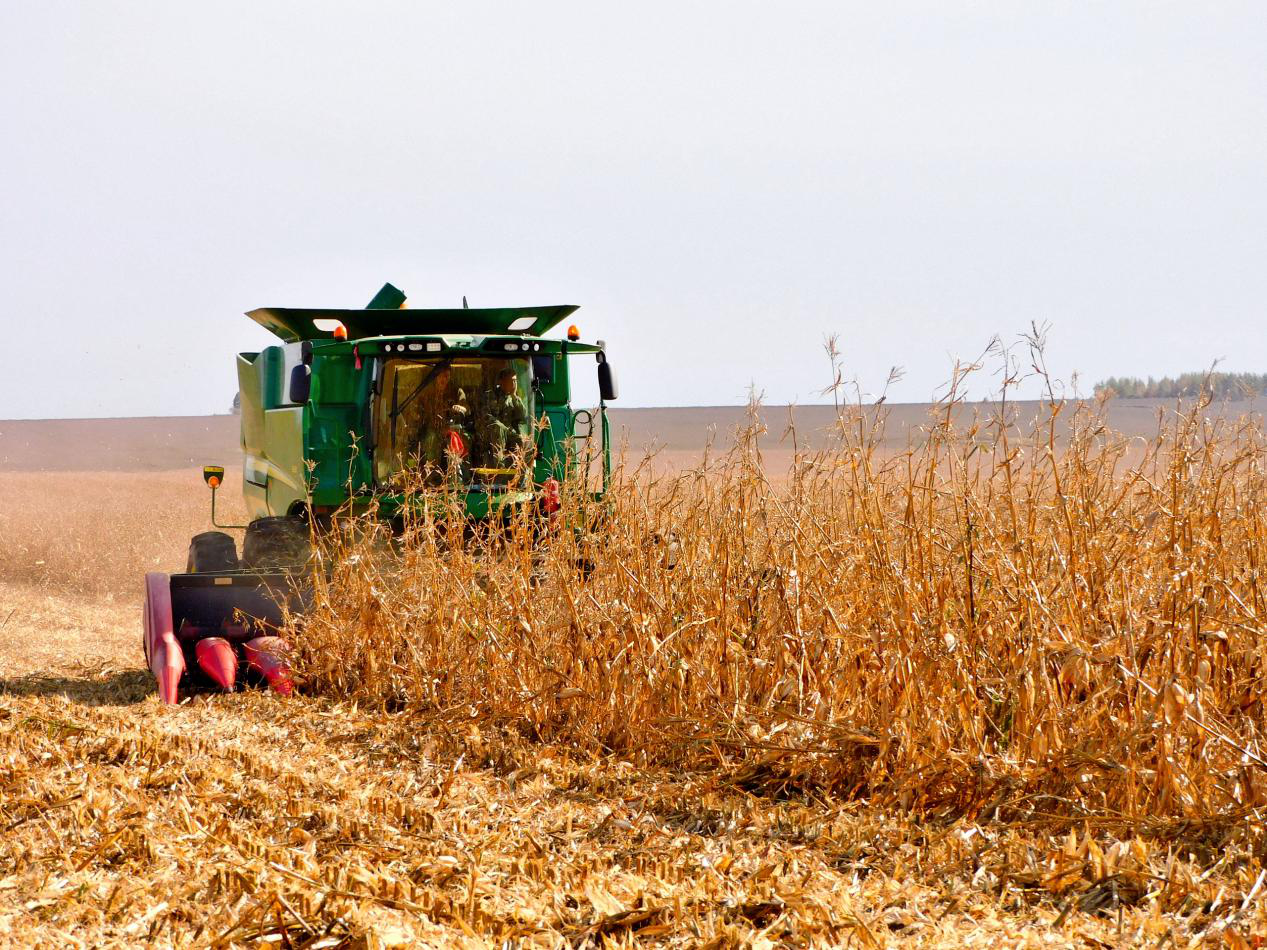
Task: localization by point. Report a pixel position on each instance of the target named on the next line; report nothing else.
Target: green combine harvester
(357, 408)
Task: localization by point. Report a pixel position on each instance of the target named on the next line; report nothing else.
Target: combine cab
(350, 407)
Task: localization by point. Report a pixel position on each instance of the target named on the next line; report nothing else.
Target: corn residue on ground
(243, 821)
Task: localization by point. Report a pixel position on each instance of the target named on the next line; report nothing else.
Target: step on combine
(342, 414)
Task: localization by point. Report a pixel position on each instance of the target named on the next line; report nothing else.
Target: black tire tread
(273, 543)
(211, 551)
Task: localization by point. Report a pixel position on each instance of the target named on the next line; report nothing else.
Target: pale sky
(718, 186)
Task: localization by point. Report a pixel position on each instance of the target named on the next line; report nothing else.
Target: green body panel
(388, 298)
(284, 439)
(252, 404)
(318, 454)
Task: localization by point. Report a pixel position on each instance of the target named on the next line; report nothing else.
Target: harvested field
(95, 533)
(236, 822)
(881, 697)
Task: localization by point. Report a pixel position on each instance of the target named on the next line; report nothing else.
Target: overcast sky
(719, 186)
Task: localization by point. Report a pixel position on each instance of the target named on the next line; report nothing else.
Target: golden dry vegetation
(96, 533)
(997, 690)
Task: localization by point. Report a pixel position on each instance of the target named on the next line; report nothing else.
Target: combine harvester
(343, 411)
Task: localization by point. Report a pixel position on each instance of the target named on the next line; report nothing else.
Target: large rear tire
(276, 543)
(211, 551)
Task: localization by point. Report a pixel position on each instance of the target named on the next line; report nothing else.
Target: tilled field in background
(168, 443)
(95, 534)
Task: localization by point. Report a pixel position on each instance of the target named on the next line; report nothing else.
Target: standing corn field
(996, 622)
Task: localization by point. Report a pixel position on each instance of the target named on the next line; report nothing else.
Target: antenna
(465, 305)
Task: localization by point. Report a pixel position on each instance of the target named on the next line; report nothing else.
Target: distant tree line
(1222, 385)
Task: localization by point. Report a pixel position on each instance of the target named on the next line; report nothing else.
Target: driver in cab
(505, 412)
(444, 419)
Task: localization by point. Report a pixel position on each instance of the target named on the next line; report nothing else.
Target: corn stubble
(1053, 626)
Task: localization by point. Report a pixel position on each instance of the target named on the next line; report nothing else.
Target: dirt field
(169, 443)
(255, 821)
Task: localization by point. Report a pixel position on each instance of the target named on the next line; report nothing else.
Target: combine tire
(276, 543)
(211, 551)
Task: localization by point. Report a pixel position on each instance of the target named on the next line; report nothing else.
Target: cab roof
(293, 324)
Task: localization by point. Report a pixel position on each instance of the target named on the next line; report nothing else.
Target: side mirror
(607, 389)
(300, 384)
(543, 369)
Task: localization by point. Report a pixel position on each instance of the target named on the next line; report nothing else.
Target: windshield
(467, 414)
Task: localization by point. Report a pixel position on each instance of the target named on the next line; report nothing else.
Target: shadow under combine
(100, 688)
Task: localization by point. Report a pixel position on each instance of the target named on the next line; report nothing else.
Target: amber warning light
(573, 333)
(213, 475)
(340, 332)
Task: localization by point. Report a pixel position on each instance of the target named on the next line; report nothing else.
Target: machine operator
(505, 413)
